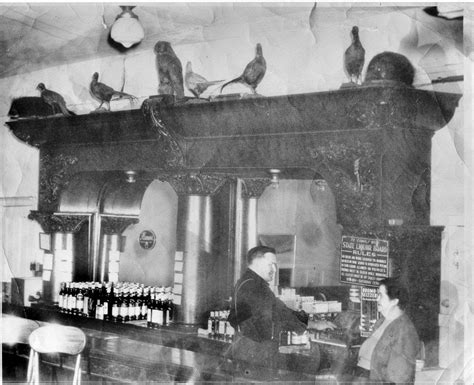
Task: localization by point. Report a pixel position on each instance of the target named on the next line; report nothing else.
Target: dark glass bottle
(145, 303)
(68, 299)
(222, 325)
(79, 300)
(169, 306)
(86, 295)
(107, 302)
(133, 309)
(62, 292)
(73, 299)
(125, 305)
(91, 305)
(116, 304)
(151, 308)
(159, 306)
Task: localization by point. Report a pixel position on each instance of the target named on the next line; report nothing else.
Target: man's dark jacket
(258, 314)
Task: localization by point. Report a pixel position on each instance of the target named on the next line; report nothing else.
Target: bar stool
(55, 339)
(15, 333)
(16, 330)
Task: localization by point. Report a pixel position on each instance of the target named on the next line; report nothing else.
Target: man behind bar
(258, 316)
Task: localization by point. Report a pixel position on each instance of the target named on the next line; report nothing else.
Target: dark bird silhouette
(55, 100)
(354, 57)
(196, 83)
(105, 93)
(170, 70)
(253, 72)
(28, 107)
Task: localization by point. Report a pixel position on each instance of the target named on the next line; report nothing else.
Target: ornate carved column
(55, 174)
(110, 246)
(62, 229)
(195, 238)
(246, 218)
(53, 223)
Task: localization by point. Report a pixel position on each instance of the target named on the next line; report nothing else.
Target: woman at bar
(388, 356)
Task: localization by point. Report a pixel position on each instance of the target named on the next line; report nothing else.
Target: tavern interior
(245, 170)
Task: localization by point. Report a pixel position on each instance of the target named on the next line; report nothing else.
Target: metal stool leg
(77, 371)
(29, 372)
(33, 368)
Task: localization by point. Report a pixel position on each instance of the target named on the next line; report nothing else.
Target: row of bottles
(119, 302)
(219, 327)
(160, 308)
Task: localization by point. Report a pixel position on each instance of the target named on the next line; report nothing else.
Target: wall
(154, 266)
(298, 209)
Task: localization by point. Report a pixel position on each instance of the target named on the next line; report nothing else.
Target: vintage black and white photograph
(236, 192)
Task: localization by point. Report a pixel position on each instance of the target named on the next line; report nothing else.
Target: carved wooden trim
(174, 154)
(195, 183)
(55, 174)
(116, 225)
(52, 223)
(353, 174)
(254, 187)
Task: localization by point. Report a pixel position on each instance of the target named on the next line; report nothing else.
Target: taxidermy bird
(170, 71)
(105, 94)
(55, 100)
(28, 107)
(196, 83)
(253, 72)
(354, 57)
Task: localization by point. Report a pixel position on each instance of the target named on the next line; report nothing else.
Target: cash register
(338, 349)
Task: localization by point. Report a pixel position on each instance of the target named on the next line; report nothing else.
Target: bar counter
(128, 353)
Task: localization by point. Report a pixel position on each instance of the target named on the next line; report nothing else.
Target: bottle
(91, 306)
(151, 308)
(145, 303)
(85, 300)
(169, 306)
(230, 331)
(222, 323)
(160, 307)
(125, 305)
(79, 300)
(66, 298)
(157, 312)
(214, 324)
(210, 323)
(107, 302)
(116, 304)
(134, 308)
(72, 299)
(61, 296)
(99, 306)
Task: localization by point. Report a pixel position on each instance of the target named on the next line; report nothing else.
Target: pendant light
(127, 29)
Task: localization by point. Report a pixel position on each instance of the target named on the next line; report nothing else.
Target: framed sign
(147, 239)
(364, 261)
(45, 241)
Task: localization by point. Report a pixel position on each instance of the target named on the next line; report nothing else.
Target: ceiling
(34, 36)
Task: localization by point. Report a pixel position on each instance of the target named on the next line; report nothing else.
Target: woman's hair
(396, 290)
(258, 252)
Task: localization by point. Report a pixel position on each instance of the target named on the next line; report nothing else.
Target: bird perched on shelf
(170, 70)
(196, 83)
(53, 99)
(253, 72)
(354, 57)
(105, 93)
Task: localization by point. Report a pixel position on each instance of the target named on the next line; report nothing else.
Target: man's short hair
(258, 252)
